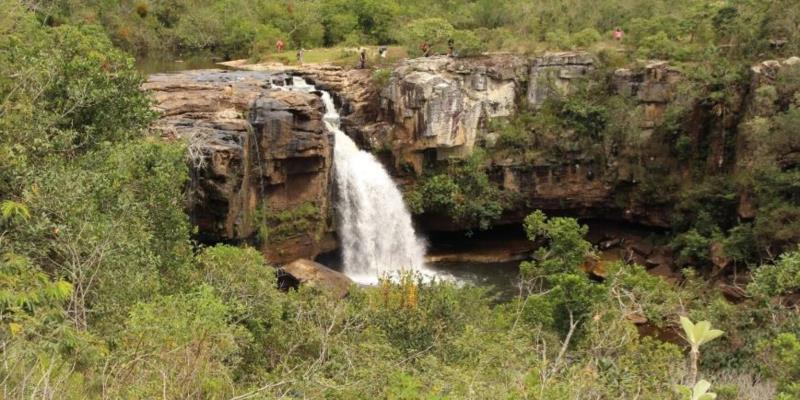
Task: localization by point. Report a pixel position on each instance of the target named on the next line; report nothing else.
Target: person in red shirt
(279, 45)
(618, 33)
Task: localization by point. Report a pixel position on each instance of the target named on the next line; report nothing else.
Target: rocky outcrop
(763, 101)
(435, 107)
(272, 184)
(318, 276)
(551, 74)
(653, 86)
(266, 178)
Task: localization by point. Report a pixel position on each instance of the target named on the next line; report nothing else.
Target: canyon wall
(261, 161)
(267, 180)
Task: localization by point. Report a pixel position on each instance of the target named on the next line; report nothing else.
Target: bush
(783, 353)
(435, 31)
(780, 279)
(142, 9)
(466, 43)
(380, 78)
(586, 37)
(177, 345)
(463, 192)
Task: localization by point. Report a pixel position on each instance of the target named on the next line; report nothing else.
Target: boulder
(318, 276)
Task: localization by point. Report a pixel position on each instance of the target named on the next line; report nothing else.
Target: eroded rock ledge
(272, 185)
(267, 180)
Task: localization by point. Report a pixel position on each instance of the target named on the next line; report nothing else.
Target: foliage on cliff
(462, 191)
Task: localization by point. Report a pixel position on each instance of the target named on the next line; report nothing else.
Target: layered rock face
(434, 107)
(266, 180)
(438, 108)
(551, 74)
(653, 87)
(764, 75)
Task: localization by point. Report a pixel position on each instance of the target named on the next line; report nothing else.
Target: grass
(342, 56)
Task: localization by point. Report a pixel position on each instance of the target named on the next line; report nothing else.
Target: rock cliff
(268, 180)
(260, 158)
(438, 108)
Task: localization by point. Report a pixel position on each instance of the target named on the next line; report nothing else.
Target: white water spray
(375, 227)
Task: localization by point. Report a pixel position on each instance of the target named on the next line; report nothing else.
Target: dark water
(499, 278)
(163, 63)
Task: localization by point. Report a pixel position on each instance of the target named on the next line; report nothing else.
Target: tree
(558, 291)
(435, 31)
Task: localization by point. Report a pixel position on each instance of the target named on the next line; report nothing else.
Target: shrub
(142, 9)
(179, 345)
(783, 353)
(380, 77)
(586, 37)
(466, 43)
(435, 31)
(782, 278)
(463, 192)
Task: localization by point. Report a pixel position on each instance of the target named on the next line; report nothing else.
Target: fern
(11, 211)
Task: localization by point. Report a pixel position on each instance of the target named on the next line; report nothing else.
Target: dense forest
(104, 292)
(685, 29)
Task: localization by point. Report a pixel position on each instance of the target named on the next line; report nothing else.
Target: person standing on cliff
(300, 54)
(362, 58)
(451, 48)
(279, 46)
(426, 49)
(618, 34)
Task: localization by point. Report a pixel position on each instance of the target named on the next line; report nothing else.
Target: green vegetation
(275, 227)
(103, 294)
(586, 118)
(462, 190)
(682, 30)
(697, 335)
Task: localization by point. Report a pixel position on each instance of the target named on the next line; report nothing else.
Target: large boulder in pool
(318, 276)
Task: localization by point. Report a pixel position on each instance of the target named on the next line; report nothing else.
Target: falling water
(375, 227)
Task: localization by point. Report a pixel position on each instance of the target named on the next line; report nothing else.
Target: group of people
(362, 54)
(426, 48)
(280, 46)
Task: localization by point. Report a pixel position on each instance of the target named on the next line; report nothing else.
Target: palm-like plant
(697, 335)
(698, 392)
(13, 211)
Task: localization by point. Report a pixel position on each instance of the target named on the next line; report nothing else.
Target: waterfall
(375, 228)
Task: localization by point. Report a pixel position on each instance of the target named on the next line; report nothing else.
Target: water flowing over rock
(375, 229)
